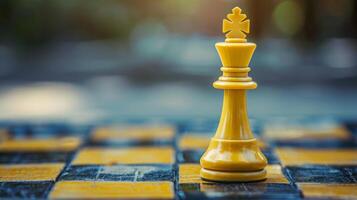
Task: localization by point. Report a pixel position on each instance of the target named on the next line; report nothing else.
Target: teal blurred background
(90, 59)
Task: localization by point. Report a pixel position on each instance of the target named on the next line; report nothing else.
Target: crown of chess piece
(233, 154)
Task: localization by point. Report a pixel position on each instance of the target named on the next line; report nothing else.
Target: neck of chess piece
(233, 154)
(234, 113)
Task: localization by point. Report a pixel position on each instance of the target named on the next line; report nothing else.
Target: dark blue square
(323, 174)
(238, 191)
(190, 156)
(194, 156)
(25, 190)
(119, 173)
(34, 157)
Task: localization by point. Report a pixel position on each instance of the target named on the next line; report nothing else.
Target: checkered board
(308, 158)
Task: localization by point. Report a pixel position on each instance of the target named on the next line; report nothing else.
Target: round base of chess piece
(220, 176)
(233, 161)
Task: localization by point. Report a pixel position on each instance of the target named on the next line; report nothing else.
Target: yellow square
(137, 155)
(298, 156)
(194, 141)
(190, 173)
(138, 132)
(200, 141)
(338, 191)
(112, 190)
(293, 132)
(30, 172)
(51, 144)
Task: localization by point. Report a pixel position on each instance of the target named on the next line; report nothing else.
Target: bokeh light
(289, 17)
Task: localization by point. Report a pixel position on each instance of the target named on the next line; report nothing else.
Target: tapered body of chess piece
(233, 154)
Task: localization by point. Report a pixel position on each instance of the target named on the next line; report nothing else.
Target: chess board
(159, 159)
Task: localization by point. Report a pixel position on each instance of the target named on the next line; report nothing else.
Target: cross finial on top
(236, 25)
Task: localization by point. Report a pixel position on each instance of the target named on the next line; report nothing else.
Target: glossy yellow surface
(296, 156)
(339, 191)
(135, 155)
(222, 176)
(199, 141)
(190, 173)
(30, 172)
(233, 153)
(112, 190)
(51, 144)
(142, 133)
(233, 156)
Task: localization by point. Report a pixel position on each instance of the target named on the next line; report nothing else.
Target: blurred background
(90, 59)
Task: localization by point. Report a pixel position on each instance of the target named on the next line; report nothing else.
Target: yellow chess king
(233, 154)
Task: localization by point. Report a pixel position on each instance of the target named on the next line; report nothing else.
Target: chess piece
(233, 154)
